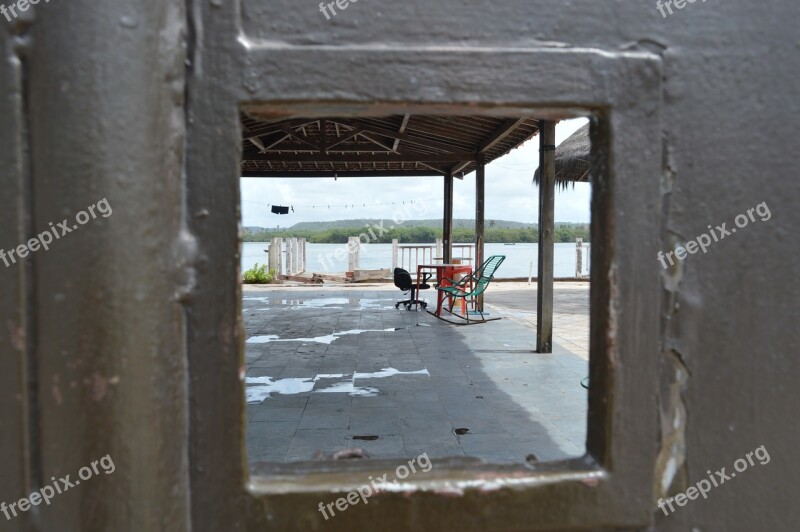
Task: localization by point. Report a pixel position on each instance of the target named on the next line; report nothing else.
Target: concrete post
(289, 258)
(302, 252)
(353, 246)
(578, 257)
(439, 249)
(295, 256)
(275, 255)
(395, 250)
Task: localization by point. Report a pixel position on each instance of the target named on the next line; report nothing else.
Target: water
(332, 258)
(261, 388)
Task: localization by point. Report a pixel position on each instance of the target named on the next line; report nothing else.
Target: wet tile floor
(340, 368)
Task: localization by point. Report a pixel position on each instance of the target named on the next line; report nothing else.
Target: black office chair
(403, 281)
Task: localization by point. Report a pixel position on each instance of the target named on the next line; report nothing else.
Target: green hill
(414, 231)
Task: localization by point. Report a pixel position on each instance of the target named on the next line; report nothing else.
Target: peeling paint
(17, 335)
(671, 460)
(260, 388)
(99, 387)
(327, 339)
(328, 303)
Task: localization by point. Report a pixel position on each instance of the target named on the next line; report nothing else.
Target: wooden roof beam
(401, 130)
(402, 136)
(276, 128)
(367, 158)
(505, 129)
(295, 135)
(381, 144)
(340, 173)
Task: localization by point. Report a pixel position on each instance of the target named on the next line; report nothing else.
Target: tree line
(423, 235)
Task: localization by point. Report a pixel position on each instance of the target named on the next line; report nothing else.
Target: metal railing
(409, 256)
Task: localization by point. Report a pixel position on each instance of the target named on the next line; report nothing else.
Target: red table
(443, 272)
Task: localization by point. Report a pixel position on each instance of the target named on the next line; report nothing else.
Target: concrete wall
(730, 112)
(98, 100)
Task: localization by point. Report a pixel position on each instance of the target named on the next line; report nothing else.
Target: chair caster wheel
(397, 306)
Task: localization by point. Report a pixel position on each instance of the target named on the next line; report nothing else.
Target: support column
(275, 255)
(302, 254)
(480, 194)
(395, 256)
(447, 219)
(289, 257)
(294, 256)
(547, 187)
(353, 247)
(90, 373)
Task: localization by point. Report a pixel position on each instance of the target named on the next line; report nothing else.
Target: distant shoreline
(418, 234)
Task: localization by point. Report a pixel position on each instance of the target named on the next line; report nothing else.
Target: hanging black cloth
(277, 209)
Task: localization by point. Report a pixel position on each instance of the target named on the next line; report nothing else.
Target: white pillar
(295, 256)
(289, 257)
(302, 252)
(439, 249)
(395, 258)
(578, 257)
(353, 246)
(275, 255)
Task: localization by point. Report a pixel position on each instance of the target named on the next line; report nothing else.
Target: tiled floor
(396, 389)
(570, 311)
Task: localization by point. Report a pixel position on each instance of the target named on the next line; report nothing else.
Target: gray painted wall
(93, 96)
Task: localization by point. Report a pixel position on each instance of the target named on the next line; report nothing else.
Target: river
(322, 258)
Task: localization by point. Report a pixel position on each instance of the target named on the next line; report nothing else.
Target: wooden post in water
(547, 188)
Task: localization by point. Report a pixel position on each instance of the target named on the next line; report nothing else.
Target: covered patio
(447, 146)
(338, 372)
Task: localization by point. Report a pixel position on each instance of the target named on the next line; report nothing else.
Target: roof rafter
(505, 129)
(402, 136)
(381, 157)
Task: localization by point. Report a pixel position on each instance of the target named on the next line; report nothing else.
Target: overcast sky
(510, 193)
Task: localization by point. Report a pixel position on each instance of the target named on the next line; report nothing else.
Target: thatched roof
(572, 159)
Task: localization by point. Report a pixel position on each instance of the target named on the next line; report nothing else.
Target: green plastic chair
(470, 287)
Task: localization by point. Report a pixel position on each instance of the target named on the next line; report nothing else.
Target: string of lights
(344, 206)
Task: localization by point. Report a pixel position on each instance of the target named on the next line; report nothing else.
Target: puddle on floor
(325, 303)
(350, 387)
(260, 388)
(327, 339)
(389, 372)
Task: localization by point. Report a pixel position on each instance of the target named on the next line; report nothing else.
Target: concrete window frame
(613, 484)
